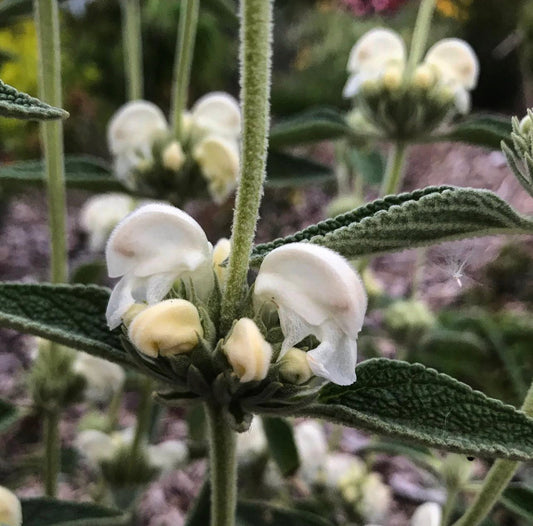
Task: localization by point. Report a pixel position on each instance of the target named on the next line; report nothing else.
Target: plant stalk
(182, 67)
(497, 479)
(395, 169)
(132, 42)
(420, 35)
(52, 459)
(223, 465)
(255, 60)
(144, 416)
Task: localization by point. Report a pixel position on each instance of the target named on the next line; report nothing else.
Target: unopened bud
(294, 367)
(173, 156)
(392, 77)
(220, 254)
(135, 309)
(525, 125)
(10, 508)
(168, 328)
(247, 351)
(423, 77)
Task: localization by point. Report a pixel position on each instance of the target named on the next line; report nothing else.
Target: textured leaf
(51, 512)
(8, 414)
(409, 220)
(18, 105)
(482, 130)
(83, 172)
(280, 437)
(287, 170)
(518, 498)
(73, 315)
(414, 403)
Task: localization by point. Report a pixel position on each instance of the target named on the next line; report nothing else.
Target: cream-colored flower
(173, 157)
(312, 448)
(340, 467)
(376, 498)
(10, 508)
(428, 514)
(167, 328)
(247, 351)
(221, 253)
(167, 455)
(95, 446)
(294, 367)
(216, 113)
(316, 292)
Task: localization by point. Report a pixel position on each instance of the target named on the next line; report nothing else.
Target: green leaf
(280, 437)
(518, 498)
(417, 404)
(82, 172)
(482, 130)
(368, 164)
(421, 218)
(73, 315)
(319, 124)
(18, 105)
(51, 512)
(287, 170)
(8, 414)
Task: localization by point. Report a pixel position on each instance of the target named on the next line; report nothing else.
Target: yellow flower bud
(167, 328)
(392, 77)
(247, 351)
(220, 254)
(424, 77)
(173, 156)
(135, 309)
(294, 367)
(10, 509)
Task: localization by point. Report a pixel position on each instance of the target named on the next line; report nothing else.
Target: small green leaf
(8, 414)
(18, 105)
(421, 218)
(482, 130)
(417, 404)
(81, 172)
(73, 315)
(287, 170)
(51, 512)
(316, 125)
(280, 437)
(518, 498)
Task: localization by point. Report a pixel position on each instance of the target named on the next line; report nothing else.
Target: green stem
(449, 506)
(395, 169)
(182, 67)
(223, 464)
(420, 35)
(499, 476)
(144, 416)
(113, 412)
(52, 459)
(255, 58)
(132, 42)
(420, 262)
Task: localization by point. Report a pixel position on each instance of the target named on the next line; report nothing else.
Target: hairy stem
(132, 42)
(420, 35)
(223, 465)
(52, 444)
(182, 67)
(144, 416)
(499, 476)
(392, 181)
(255, 58)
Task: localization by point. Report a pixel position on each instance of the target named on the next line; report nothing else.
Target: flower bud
(135, 309)
(375, 498)
(247, 351)
(10, 508)
(220, 254)
(393, 77)
(423, 77)
(173, 157)
(95, 446)
(167, 328)
(294, 367)
(525, 125)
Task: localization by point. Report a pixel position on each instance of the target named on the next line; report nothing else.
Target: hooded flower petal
(217, 113)
(10, 508)
(428, 514)
(317, 293)
(151, 248)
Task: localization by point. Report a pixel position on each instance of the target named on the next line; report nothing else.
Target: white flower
(95, 446)
(10, 508)
(312, 448)
(339, 466)
(173, 157)
(221, 253)
(216, 113)
(316, 292)
(101, 213)
(252, 443)
(428, 514)
(375, 499)
(151, 249)
(167, 455)
(103, 378)
(370, 56)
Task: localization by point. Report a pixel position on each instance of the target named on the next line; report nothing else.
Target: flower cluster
(401, 104)
(292, 327)
(150, 160)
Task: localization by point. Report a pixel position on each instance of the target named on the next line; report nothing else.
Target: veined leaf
(288, 170)
(280, 437)
(417, 404)
(51, 512)
(81, 171)
(18, 105)
(312, 126)
(518, 498)
(421, 218)
(73, 315)
(8, 414)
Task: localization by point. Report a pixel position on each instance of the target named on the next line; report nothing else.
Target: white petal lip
(428, 514)
(133, 125)
(218, 112)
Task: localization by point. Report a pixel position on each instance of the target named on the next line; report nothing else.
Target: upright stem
(132, 42)
(449, 506)
(420, 35)
(144, 414)
(182, 67)
(496, 481)
(52, 459)
(395, 169)
(223, 464)
(255, 58)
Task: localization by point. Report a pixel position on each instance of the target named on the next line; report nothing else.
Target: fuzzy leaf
(18, 105)
(280, 437)
(421, 218)
(287, 170)
(8, 414)
(518, 498)
(82, 172)
(417, 404)
(316, 125)
(73, 315)
(51, 512)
